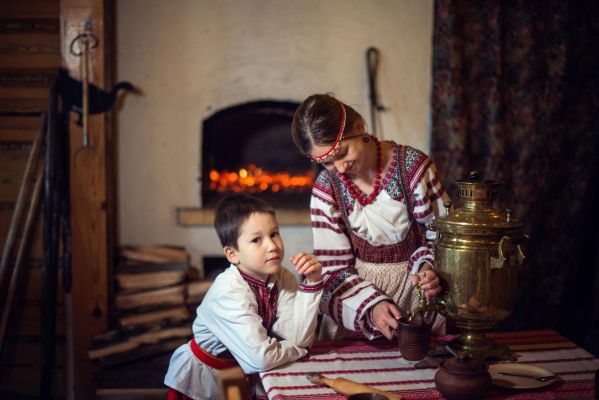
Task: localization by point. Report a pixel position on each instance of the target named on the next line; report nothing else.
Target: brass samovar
(477, 255)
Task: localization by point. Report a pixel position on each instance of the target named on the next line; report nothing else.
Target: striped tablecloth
(379, 364)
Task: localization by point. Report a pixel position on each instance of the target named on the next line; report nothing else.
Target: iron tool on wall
(372, 65)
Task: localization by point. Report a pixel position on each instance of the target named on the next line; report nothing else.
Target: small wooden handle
(347, 387)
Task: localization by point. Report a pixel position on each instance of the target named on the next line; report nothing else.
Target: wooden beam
(90, 193)
(194, 216)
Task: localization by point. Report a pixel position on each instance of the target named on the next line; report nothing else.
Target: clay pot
(463, 378)
(413, 339)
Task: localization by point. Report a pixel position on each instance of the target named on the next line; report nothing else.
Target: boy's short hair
(233, 211)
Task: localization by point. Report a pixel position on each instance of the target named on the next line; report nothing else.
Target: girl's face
(259, 251)
(352, 158)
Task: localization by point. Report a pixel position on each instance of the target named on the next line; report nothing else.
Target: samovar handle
(500, 260)
(520, 254)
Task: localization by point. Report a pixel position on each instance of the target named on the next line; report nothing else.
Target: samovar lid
(477, 211)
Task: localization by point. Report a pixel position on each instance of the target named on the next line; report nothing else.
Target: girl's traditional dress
(369, 252)
(243, 320)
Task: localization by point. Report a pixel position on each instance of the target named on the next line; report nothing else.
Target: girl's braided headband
(330, 154)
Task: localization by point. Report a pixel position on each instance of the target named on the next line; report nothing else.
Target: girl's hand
(384, 316)
(307, 265)
(428, 280)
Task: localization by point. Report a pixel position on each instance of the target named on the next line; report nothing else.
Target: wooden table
(379, 364)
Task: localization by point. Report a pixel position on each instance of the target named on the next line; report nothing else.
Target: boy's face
(260, 248)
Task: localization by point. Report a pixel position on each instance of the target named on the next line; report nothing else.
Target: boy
(255, 314)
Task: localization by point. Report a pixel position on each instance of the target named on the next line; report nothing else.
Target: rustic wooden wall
(29, 57)
(35, 36)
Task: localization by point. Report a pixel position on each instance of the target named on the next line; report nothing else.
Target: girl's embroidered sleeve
(297, 310)
(346, 297)
(428, 198)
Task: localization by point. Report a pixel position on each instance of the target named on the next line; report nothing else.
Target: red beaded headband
(330, 154)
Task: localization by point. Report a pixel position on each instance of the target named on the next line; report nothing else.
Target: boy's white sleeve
(297, 310)
(232, 316)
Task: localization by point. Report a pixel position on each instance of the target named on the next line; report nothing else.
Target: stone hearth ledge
(197, 216)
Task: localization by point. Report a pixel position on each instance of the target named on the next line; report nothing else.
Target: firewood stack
(155, 300)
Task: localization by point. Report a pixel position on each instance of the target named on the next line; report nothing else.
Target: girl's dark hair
(317, 121)
(233, 211)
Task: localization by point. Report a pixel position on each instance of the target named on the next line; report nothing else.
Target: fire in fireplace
(248, 147)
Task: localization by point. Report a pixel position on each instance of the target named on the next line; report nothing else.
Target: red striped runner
(379, 364)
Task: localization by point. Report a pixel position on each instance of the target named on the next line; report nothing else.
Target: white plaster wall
(193, 57)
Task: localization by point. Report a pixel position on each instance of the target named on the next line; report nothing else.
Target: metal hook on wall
(85, 41)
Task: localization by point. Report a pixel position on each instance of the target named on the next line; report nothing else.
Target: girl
(369, 207)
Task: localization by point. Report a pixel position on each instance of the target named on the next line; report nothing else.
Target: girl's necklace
(355, 191)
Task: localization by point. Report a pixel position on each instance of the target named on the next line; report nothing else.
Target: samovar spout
(425, 308)
(422, 308)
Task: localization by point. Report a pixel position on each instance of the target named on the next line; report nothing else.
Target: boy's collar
(252, 279)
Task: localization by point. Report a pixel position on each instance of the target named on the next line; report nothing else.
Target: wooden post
(87, 305)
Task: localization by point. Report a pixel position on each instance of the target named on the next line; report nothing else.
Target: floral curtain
(516, 97)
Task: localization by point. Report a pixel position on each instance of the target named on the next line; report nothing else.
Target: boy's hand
(307, 265)
(428, 280)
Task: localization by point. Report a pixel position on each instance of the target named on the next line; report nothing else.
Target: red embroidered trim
(422, 254)
(324, 200)
(332, 276)
(305, 287)
(421, 202)
(337, 252)
(324, 225)
(355, 191)
(362, 306)
(341, 291)
(423, 214)
(417, 173)
(250, 279)
(333, 263)
(267, 299)
(348, 285)
(355, 293)
(392, 167)
(319, 213)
